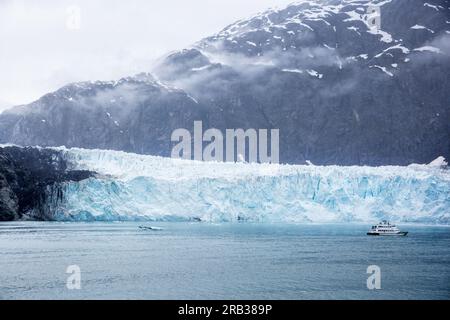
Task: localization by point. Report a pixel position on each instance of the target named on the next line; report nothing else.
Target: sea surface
(220, 261)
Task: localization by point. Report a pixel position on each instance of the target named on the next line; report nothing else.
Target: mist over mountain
(135, 114)
(340, 90)
(4, 105)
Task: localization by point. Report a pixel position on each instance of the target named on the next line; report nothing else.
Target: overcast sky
(43, 44)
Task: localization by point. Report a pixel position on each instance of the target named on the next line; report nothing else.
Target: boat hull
(384, 234)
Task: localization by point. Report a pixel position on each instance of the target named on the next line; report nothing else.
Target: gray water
(223, 261)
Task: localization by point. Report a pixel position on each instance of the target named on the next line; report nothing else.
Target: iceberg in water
(139, 187)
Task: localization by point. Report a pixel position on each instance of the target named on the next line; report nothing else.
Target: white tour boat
(384, 228)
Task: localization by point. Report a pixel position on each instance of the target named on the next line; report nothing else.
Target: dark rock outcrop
(26, 175)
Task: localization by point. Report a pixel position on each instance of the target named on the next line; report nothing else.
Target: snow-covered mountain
(135, 113)
(340, 90)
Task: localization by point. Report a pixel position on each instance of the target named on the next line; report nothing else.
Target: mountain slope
(339, 90)
(134, 114)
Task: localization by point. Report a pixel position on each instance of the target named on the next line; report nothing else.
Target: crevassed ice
(139, 187)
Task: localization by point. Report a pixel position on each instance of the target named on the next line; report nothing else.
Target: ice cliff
(139, 187)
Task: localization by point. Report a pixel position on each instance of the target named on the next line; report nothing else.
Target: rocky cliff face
(340, 91)
(28, 176)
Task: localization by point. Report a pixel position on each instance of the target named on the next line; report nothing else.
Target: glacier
(131, 187)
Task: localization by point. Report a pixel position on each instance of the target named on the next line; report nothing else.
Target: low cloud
(39, 53)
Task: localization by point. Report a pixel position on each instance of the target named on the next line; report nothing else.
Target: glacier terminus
(134, 187)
